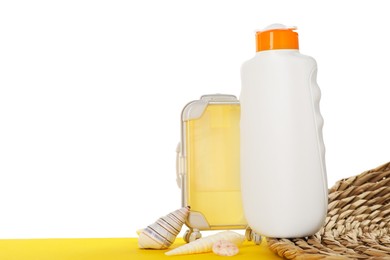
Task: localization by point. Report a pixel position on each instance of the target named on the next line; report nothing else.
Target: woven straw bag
(357, 225)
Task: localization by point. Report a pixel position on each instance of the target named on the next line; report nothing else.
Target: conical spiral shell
(162, 233)
(205, 244)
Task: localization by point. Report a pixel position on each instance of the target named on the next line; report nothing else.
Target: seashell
(205, 244)
(225, 248)
(162, 233)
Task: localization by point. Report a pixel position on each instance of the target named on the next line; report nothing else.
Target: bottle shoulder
(278, 57)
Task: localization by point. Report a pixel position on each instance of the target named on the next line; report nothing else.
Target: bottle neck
(278, 51)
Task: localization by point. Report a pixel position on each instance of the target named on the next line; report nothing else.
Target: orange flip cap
(276, 39)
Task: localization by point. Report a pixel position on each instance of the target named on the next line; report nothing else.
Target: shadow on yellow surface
(108, 249)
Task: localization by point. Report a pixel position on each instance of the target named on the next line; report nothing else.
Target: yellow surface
(213, 165)
(108, 249)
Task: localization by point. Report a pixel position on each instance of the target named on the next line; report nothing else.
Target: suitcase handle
(218, 98)
(179, 166)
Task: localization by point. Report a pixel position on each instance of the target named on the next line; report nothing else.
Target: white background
(91, 94)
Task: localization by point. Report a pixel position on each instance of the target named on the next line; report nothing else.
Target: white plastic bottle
(283, 175)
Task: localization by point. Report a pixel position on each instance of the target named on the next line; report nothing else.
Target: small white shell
(162, 233)
(225, 248)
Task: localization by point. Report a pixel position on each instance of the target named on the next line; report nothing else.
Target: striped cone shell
(162, 233)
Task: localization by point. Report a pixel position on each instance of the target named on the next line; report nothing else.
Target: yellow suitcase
(208, 165)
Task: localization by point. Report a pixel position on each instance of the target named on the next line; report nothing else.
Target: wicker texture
(357, 225)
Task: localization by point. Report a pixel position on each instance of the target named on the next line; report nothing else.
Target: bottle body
(283, 173)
